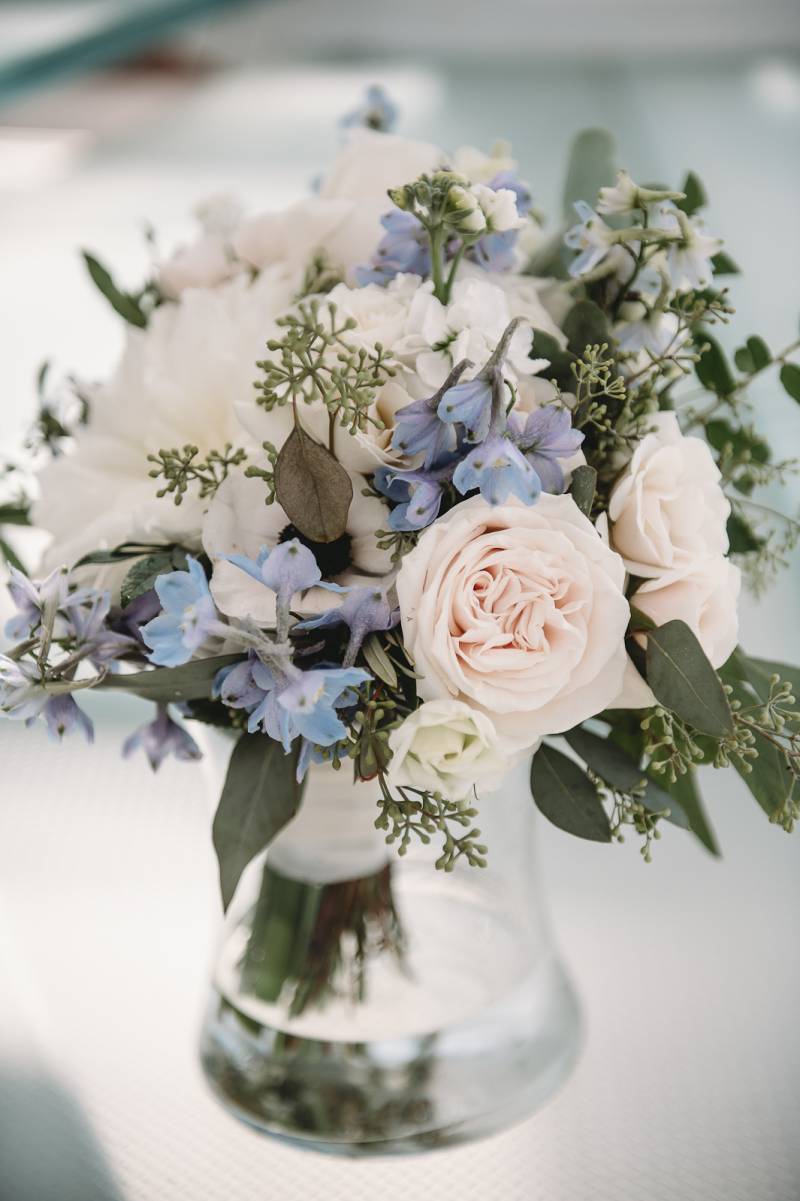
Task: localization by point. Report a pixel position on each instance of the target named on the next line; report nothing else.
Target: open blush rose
(518, 612)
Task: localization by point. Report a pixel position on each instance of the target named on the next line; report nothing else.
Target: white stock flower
(464, 210)
(179, 381)
(499, 208)
(518, 611)
(238, 522)
(667, 510)
(446, 746)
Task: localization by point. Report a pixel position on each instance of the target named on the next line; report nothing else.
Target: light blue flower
(498, 469)
(311, 701)
(24, 697)
(188, 616)
(470, 404)
(235, 685)
(362, 610)
(377, 111)
(544, 437)
(160, 738)
(419, 429)
(591, 236)
(289, 568)
(418, 495)
(63, 715)
(403, 250)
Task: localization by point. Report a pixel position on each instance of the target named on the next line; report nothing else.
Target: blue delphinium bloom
(418, 495)
(188, 616)
(235, 685)
(363, 610)
(403, 250)
(32, 598)
(498, 469)
(544, 437)
(160, 738)
(289, 568)
(63, 715)
(377, 111)
(592, 236)
(312, 698)
(470, 404)
(24, 697)
(419, 428)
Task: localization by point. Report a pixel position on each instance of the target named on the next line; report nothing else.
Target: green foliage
(723, 264)
(567, 797)
(753, 356)
(685, 792)
(313, 489)
(142, 576)
(126, 304)
(260, 796)
(790, 378)
(586, 325)
(407, 813)
(684, 681)
(267, 474)
(166, 685)
(694, 195)
(712, 367)
(582, 487)
(182, 468)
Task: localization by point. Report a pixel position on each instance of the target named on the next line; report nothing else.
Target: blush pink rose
(519, 612)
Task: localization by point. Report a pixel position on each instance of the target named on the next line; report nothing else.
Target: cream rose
(667, 510)
(705, 598)
(519, 612)
(445, 746)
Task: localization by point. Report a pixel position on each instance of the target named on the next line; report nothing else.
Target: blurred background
(115, 115)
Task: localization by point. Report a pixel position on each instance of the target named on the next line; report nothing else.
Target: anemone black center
(332, 557)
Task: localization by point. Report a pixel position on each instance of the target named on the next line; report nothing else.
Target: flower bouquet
(422, 510)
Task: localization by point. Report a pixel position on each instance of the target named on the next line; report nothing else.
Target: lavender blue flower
(377, 111)
(160, 738)
(311, 701)
(419, 428)
(544, 437)
(63, 715)
(592, 236)
(498, 469)
(404, 249)
(188, 616)
(24, 697)
(363, 610)
(418, 493)
(289, 568)
(470, 404)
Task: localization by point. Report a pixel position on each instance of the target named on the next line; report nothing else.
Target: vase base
(400, 1095)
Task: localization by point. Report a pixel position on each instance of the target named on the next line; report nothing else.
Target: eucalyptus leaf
(125, 550)
(712, 367)
(623, 772)
(313, 488)
(694, 194)
(144, 573)
(685, 791)
(567, 797)
(190, 682)
(14, 515)
(723, 264)
(378, 661)
(260, 796)
(742, 538)
(592, 166)
(790, 378)
(545, 346)
(582, 487)
(585, 325)
(122, 302)
(684, 681)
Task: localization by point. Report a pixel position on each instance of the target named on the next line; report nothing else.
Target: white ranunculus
(238, 522)
(445, 746)
(519, 612)
(667, 510)
(179, 381)
(705, 597)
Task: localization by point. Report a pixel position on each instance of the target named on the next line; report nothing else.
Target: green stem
(439, 287)
(451, 276)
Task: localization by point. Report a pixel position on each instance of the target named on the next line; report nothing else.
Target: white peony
(179, 381)
(667, 510)
(238, 522)
(446, 746)
(210, 259)
(519, 612)
(705, 597)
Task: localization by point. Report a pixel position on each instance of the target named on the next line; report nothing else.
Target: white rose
(705, 597)
(445, 746)
(667, 510)
(518, 611)
(179, 381)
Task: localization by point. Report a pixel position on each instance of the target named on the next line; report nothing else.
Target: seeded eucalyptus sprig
(181, 468)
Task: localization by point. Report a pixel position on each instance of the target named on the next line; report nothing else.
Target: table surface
(689, 969)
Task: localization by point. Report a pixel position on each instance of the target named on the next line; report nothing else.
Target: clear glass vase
(364, 1003)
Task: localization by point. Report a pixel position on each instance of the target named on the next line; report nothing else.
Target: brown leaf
(313, 488)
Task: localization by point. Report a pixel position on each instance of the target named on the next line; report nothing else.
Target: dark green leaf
(712, 367)
(14, 515)
(769, 779)
(606, 760)
(687, 795)
(545, 346)
(742, 537)
(259, 798)
(790, 378)
(122, 302)
(378, 661)
(744, 360)
(592, 166)
(743, 441)
(143, 575)
(640, 621)
(125, 550)
(695, 195)
(684, 681)
(567, 797)
(759, 352)
(8, 553)
(723, 264)
(768, 667)
(582, 487)
(167, 684)
(312, 487)
(585, 325)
